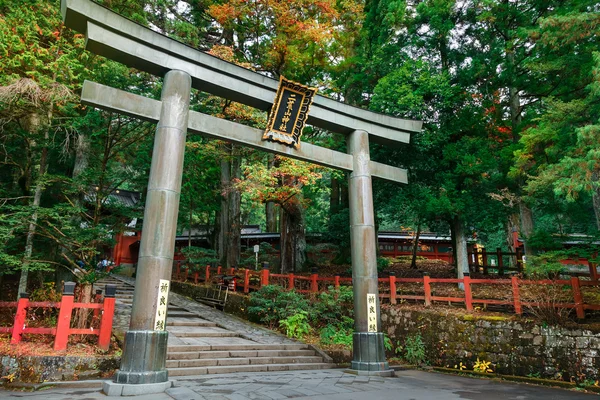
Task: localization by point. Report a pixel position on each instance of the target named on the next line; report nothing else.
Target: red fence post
(64, 317)
(219, 270)
(231, 270)
(314, 286)
(20, 316)
(246, 280)
(291, 281)
(516, 296)
(178, 270)
(518, 255)
(427, 288)
(468, 295)
(207, 274)
(108, 312)
(336, 282)
(196, 275)
(392, 288)
(264, 277)
(578, 298)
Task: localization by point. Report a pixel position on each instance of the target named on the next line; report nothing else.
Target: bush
(340, 333)
(383, 263)
(330, 307)
(414, 350)
(199, 257)
(271, 304)
(545, 266)
(296, 326)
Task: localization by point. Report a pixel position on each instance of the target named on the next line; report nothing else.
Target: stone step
(231, 347)
(181, 314)
(201, 331)
(191, 322)
(228, 369)
(212, 362)
(191, 355)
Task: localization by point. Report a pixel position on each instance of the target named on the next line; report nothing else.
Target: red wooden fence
(389, 288)
(103, 310)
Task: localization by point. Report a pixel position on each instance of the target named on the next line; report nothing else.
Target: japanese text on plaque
(161, 305)
(371, 312)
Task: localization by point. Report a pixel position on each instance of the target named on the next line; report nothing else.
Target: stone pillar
(368, 349)
(145, 351)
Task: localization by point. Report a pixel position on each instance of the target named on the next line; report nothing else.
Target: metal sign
(289, 113)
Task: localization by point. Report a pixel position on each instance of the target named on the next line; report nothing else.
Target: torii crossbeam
(115, 37)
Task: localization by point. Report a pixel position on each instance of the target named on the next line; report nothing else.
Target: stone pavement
(321, 385)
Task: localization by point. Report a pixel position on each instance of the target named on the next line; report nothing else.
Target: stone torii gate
(115, 37)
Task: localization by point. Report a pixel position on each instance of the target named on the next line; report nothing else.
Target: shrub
(545, 266)
(383, 263)
(414, 350)
(330, 307)
(340, 333)
(199, 257)
(296, 326)
(271, 304)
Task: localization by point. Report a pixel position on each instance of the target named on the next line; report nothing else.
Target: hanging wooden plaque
(289, 113)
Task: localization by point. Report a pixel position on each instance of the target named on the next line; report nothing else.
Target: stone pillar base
(144, 358)
(368, 352)
(111, 388)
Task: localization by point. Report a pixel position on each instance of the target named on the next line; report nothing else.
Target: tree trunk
(526, 226)
(596, 197)
(270, 209)
(462, 257)
(453, 241)
(32, 125)
(82, 314)
(512, 226)
(234, 224)
(190, 222)
(413, 261)
(334, 197)
(271, 216)
(293, 237)
(224, 213)
(82, 151)
(344, 197)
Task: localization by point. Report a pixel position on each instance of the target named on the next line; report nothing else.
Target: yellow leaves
(460, 366)
(482, 366)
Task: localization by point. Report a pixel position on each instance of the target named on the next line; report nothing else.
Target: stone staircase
(199, 346)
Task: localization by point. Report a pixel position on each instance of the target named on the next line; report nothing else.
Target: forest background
(509, 92)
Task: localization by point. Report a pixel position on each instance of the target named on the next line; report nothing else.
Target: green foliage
(546, 265)
(272, 303)
(332, 306)
(199, 257)
(414, 349)
(339, 333)
(296, 326)
(383, 263)
(266, 253)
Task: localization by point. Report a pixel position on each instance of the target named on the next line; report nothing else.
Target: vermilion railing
(103, 310)
(391, 288)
